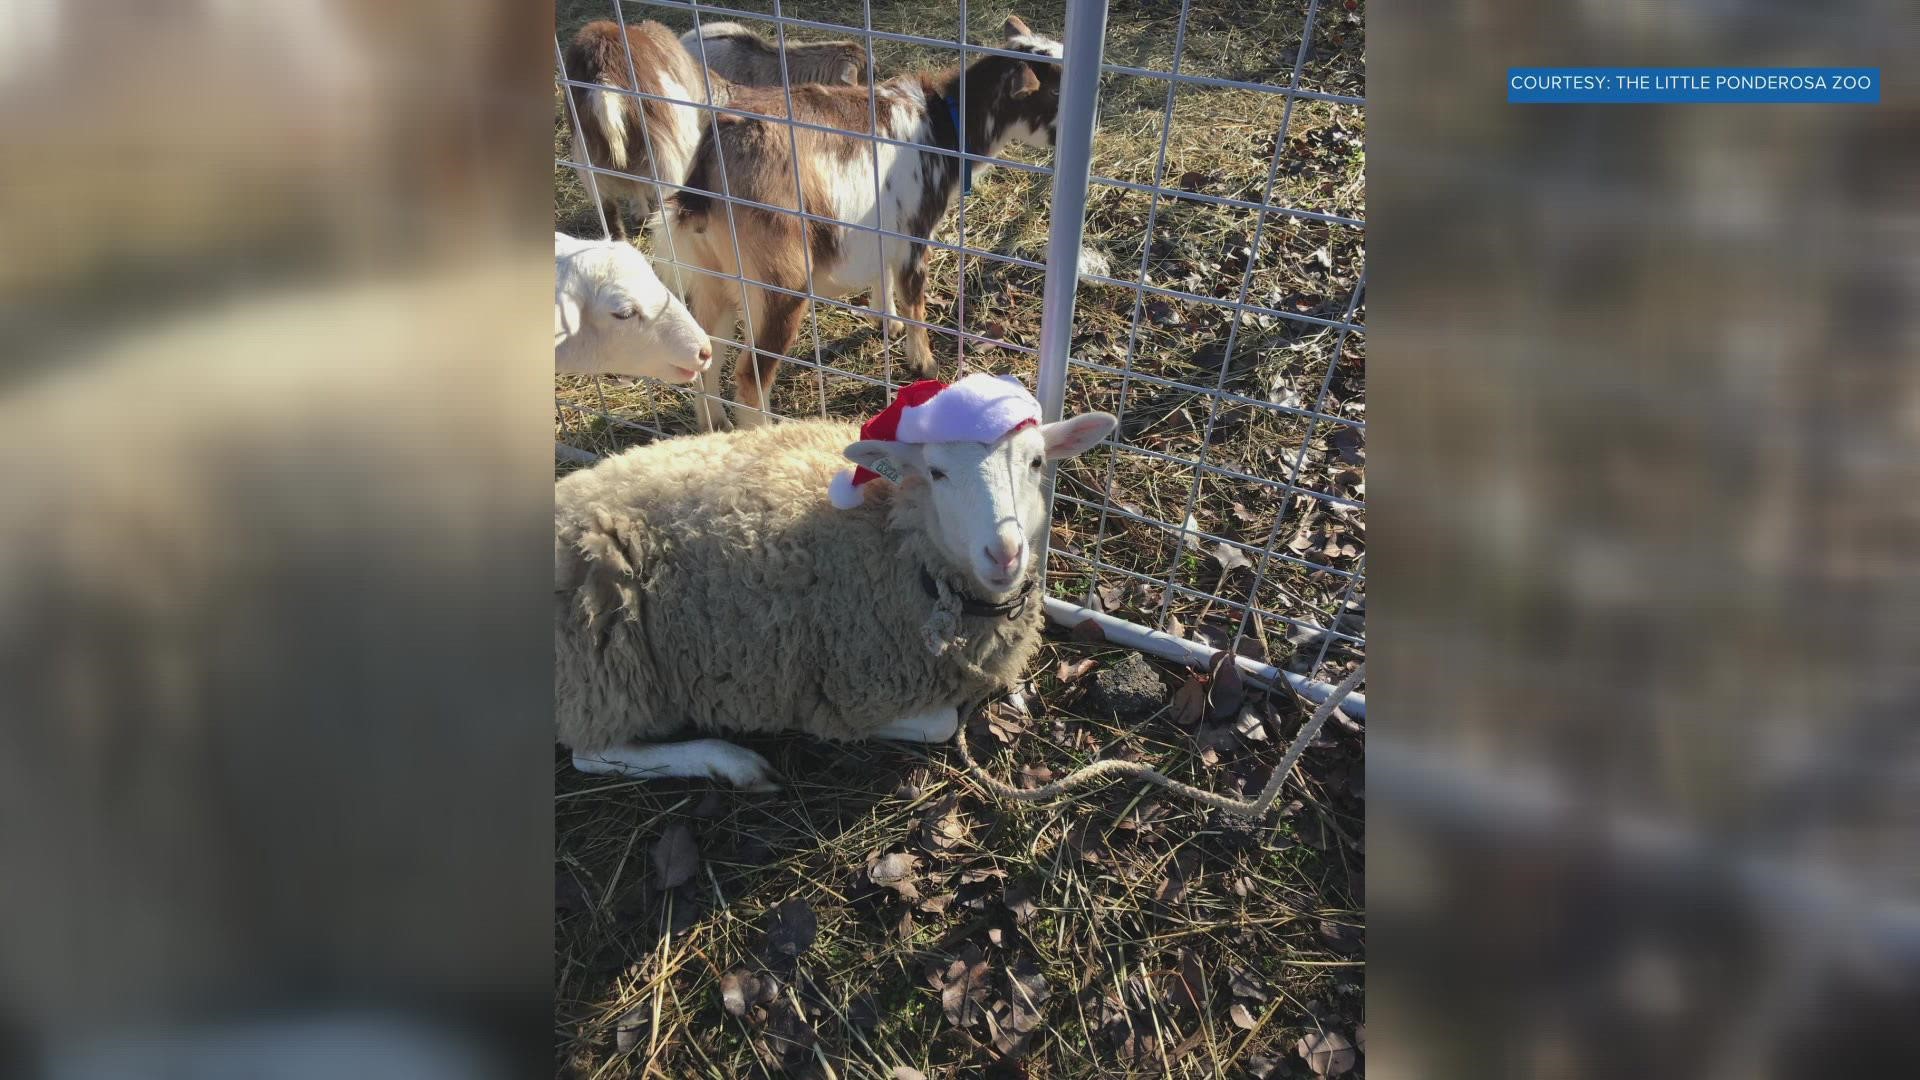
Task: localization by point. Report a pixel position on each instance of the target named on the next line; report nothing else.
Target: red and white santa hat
(979, 408)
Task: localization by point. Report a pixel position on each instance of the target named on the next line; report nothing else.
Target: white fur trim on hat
(979, 408)
(843, 493)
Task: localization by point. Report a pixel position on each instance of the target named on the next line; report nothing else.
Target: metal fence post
(1086, 34)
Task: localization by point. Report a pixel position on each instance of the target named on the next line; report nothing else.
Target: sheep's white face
(986, 503)
(613, 316)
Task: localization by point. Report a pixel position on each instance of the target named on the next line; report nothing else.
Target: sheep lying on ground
(708, 583)
(612, 315)
(743, 56)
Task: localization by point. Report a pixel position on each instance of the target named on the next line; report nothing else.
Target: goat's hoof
(744, 769)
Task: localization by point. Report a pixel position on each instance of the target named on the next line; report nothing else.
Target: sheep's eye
(1036, 462)
(627, 311)
(937, 474)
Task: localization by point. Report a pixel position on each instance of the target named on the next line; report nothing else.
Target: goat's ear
(893, 460)
(1077, 435)
(1015, 27)
(1024, 81)
(850, 70)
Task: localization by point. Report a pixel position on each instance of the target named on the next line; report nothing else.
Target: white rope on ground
(1101, 770)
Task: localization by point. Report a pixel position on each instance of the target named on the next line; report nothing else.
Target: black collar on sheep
(980, 608)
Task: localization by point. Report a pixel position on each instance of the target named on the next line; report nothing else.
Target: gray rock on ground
(1131, 689)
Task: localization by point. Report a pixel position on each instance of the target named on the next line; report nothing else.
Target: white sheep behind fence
(613, 316)
(743, 56)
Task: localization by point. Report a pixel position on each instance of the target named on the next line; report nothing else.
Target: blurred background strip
(1646, 566)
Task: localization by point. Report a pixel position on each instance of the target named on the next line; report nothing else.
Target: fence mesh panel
(1219, 309)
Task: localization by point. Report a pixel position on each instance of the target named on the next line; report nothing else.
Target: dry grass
(1098, 929)
(1129, 889)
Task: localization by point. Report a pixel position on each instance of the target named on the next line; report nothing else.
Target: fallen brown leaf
(1013, 1021)
(1229, 557)
(1068, 674)
(1030, 777)
(895, 871)
(791, 928)
(1327, 1053)
(1340, 937)
(631, 1028)
(1261, 1068)
(1190, 984)
(1180, 869)
(964, 987)
(1190, 701)
(944, 825)
(1227, 690)
(1247, 984)
(711, 805)
(1019, 902)
(675, 857)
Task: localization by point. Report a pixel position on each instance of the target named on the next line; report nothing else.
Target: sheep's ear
(1025, 81)
(1015, 27)
(893, 460)
(1077, 435)
(566, 314)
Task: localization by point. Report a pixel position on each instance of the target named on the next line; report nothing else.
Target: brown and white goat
(1008, 100)
(607, 128)
(743, 56)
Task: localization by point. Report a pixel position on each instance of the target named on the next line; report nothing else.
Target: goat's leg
(776, 323)
(709, 301)
(932, 726)
(912, 290)
(882, 300)
(599, 191)
(715, 758)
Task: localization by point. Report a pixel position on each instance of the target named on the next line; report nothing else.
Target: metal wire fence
(1206, 287)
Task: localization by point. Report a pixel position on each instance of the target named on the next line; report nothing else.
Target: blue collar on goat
(960, 140)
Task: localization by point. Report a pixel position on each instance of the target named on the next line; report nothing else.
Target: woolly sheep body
(743, 56)
(705, 584)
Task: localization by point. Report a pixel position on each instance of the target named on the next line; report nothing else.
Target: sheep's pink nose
(1006, 551)
(706, 355)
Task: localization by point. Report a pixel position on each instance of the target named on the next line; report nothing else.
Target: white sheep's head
(612, 315)
(985, 503)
